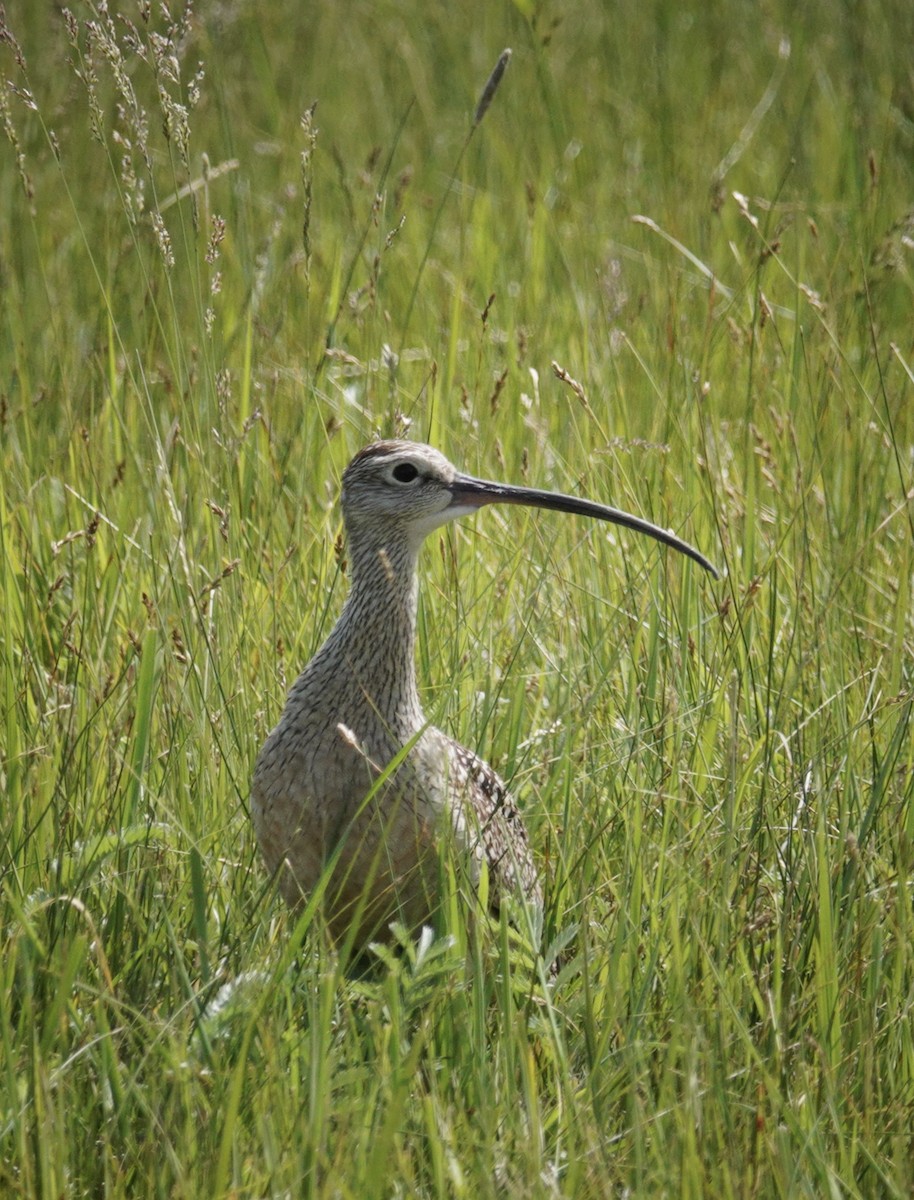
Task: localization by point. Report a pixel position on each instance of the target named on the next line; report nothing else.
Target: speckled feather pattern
(324, 785)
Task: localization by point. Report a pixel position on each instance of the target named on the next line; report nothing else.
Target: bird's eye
(405, 472)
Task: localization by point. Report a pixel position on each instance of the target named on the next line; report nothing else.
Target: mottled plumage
(353, 774)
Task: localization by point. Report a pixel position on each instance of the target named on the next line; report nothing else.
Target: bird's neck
(374, 639)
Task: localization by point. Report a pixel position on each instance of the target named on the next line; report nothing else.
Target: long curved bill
(469, 493)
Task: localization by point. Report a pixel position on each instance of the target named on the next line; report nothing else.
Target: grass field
(212, 295)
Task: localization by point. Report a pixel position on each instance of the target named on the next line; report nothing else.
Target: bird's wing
(494, 827)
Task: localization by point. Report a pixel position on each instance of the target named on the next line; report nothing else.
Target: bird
(355, 793)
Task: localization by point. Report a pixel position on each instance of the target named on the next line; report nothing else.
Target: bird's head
(397, 484)
(412, 489)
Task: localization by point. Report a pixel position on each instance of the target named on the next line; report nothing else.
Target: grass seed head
(488, 92)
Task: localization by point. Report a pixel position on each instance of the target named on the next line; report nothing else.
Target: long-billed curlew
(354, 781)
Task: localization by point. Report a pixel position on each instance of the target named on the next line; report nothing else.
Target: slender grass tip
(488, 92)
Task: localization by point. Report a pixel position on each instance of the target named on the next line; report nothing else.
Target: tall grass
(214, 292)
